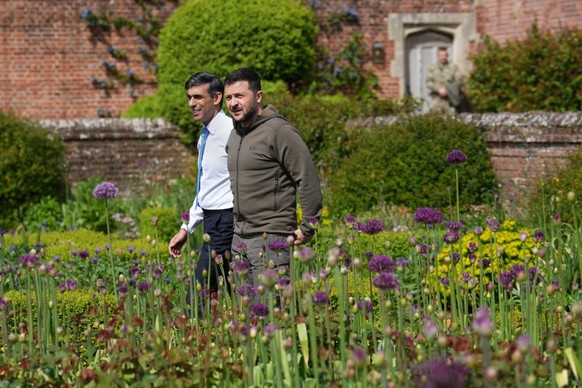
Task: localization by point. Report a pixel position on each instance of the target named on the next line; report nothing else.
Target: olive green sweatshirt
(269, 164)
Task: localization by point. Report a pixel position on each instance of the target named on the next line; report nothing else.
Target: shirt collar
(214, 123)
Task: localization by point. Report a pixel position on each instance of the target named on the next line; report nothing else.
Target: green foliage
(145, 107)
(47, 214)
(276, 38)
(405, 164)
(31, 164)
(322, 122)
(542, 72)
(550, 195)
(168, 222)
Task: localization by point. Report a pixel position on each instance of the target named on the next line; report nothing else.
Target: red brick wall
(48, 56)
(505, 20)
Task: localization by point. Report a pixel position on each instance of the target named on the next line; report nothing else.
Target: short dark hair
(243, 74)
(443, 48)
(214, 83)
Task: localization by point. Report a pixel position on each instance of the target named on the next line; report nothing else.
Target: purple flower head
(456, 157)
(451, 237)
(241, 246)
(385, 281)
(478, 230)
(241, 267)
(270, 329)
(445, 281)
(143, 252)
(438, 372)
(373, 227)
(482, 323)
(359, 226)
(422, 249)
(454, 226)
(261, 310)
(186, 217)
(305, 255)
(557, 218)
(143, 286)
(364, 305)
(246, 290)
(278, 245)
(494, 225)
(380, 264)
(428, 216)
(122, 289)
(506, 279)
(402, 262)
(269, 278)
(83, 254)
(538, 236)
(105, 190)
(430, 330)
(350, 220)
(320, 298)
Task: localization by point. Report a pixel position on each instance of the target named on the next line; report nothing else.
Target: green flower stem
(113, 279)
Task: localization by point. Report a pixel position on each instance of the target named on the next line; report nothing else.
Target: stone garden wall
(136, 153)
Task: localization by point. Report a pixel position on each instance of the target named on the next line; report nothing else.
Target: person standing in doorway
(445, 84)
(269, 164)
(212, 205)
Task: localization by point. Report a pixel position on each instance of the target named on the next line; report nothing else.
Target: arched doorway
(420, 53)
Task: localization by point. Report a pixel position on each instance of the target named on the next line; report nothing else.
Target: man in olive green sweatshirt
(269, 164)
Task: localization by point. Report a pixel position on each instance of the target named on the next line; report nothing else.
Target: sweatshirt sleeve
(294, 156)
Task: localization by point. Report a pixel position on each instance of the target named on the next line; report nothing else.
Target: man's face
(443, 57)
(201, 104)
(241, 102)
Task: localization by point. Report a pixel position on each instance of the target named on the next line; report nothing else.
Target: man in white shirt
(213, 202)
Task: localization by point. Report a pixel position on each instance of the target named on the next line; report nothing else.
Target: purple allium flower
(494, 225)
(365, 305)
(320, 298)
(350, 220)
(278, 245)
(270, 329)
(241, 246)
(438, 372)
(557, 218)
(381, 263)
(466, 276)
(484, 263)
(261, 310)
(83, 254)
(478, 230)
(186, 217)
(506, 279)
(482, 323)
(359, 227)
(373, 227)
(246, 290)
(158, 272)
(428, 216)
(241, 267)
(451, 237)
(454, 226)
(430, 330)
(143, 286)
(105, 190)
(422, 249)
(445, 281)
(122, 289)
(130, 249)
(456, 157)
(359, 356)
(538, 236)
(74, 252)
(143, 252)
(401, 262)
(269, 278)
(305, 255)
(385, 281)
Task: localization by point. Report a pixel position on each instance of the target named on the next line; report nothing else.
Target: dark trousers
(219, 225)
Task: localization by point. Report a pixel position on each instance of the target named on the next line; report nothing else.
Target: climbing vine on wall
(116, 63)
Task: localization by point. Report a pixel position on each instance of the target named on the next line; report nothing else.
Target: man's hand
(176, 243)
(300, 238)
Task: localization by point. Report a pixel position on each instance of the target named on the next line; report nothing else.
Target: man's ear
(217, 98)
(259, 96)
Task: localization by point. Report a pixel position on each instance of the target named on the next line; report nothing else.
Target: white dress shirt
(215, 193)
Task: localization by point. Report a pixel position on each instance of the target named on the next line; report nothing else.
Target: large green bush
(31, 163)
(275, 37)
(550, 198)
(405, 164)
(542, 72)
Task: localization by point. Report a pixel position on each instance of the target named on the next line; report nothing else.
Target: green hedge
(405, 164)
(32, 166)
(541, 72)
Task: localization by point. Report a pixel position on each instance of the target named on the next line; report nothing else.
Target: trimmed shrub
(31, 164)
(275, 37)
(167, 225)
(558, 196)
(542, 72)
(405, 164)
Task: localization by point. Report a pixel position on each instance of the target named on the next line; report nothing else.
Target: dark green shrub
(405, 164)
(31, 164)
(322, 122)
(542, 72)
(275, 37)
(550, 195)
(168, 223)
